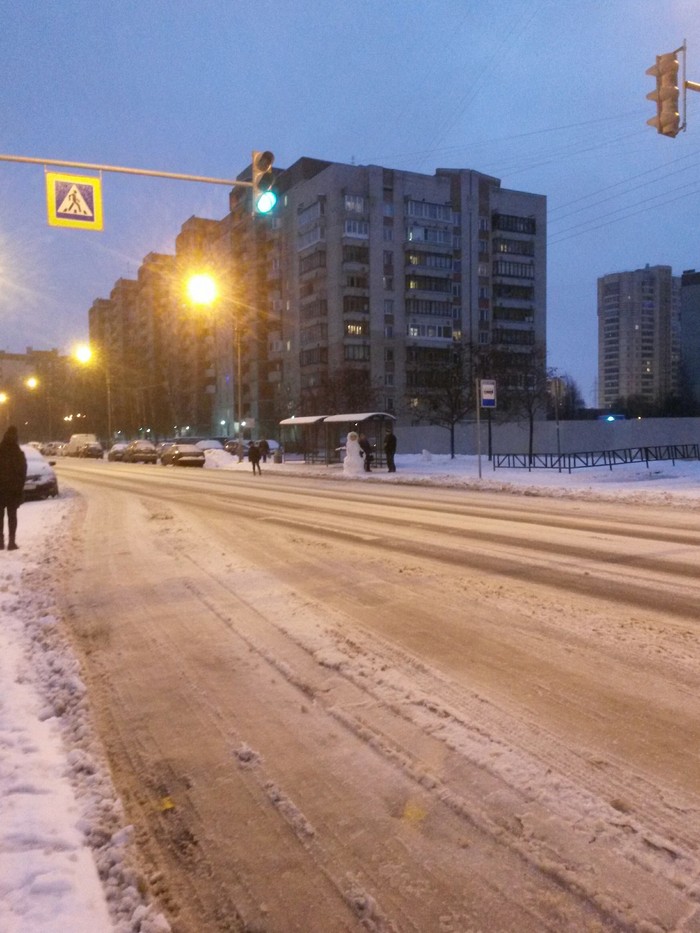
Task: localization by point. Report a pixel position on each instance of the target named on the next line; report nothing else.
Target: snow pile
(65, 853)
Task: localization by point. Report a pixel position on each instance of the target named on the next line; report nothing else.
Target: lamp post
(84, 355)
(202, 289)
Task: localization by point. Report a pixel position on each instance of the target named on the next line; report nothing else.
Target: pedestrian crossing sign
(74, 201)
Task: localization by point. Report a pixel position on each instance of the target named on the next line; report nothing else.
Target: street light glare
(201, 289)
(83, 353)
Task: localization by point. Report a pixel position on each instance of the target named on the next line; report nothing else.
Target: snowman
(353, 462)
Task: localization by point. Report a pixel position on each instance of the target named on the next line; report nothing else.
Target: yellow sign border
(95, 222)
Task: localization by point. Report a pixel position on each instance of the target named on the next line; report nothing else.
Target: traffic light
(667, 95)
(264, 197)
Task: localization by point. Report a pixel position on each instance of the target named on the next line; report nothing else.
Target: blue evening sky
(547, 95)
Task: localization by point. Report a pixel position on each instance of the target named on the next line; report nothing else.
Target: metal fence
(595, 458)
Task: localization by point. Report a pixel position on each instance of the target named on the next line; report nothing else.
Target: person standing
(13, 473)
(366, 449)
(254, 457)
(264, 449)
(390, 449)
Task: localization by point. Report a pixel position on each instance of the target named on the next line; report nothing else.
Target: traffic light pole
(128, 171)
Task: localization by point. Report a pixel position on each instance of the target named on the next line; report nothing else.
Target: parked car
(210, 444)
(41, 480)
(231, 446)
(92, 451)
(140, 452)
(182, 455)
(116, 451)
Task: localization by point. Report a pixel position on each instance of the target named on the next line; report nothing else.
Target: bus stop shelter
(321, 438)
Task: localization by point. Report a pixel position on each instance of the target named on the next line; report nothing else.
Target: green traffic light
(266, 202)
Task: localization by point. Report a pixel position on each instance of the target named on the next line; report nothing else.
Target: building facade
(690, 333)
(355, 294)
(638, 336)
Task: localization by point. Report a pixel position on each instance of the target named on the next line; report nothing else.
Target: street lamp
(202, 289)
(84, 355)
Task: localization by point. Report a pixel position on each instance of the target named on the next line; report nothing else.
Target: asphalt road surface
(339, 705)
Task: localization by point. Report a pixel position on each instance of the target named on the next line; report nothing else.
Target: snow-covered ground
(65, 861)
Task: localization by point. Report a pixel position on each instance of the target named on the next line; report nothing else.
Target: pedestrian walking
(264, 450)
(254, 457)
(13, 474)
(390, 449)
(366, 449)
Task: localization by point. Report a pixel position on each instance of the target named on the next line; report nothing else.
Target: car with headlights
(182, 455)
(140, 452)
(41, 482)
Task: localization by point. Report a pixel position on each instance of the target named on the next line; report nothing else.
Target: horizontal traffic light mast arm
(128, 171)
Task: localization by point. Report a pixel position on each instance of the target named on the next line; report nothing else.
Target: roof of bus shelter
(328, 419)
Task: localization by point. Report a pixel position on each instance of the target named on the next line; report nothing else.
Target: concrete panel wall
(574, 436)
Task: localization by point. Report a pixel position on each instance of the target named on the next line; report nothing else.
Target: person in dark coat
(13, 473)
(390, 449)
(264, 448)
(254, 457)
(366, 449)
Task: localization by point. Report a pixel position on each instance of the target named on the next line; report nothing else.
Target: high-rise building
(638, 336)
(690, 339)
(360, 287)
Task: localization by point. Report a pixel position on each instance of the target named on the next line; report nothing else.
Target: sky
(549, 97)
(62, 827)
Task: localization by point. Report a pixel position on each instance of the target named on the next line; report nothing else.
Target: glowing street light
(84, 355)
(202, 289)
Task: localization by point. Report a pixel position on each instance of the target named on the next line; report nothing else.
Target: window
(353, 253)
(427, 283)
(353, 352)
(355, 304)
(356, 328)
(437, 235)
(310, 214)
(388, 306)
(388, 234)
(356, 280)
(388, 283)
(356, 228)
(514, 224)
(431, 260)
(428, 306)
(430, 331)
(315, 260)
(516, 247)
(514, 270)
(428, 210)
(316, 234)
(354, 204)
(313, 356)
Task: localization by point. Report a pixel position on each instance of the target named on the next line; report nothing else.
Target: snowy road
(338, 706)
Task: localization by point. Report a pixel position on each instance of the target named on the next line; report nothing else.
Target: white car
(41, 480)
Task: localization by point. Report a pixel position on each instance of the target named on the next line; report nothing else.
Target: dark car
(92, 451)
(140, 452)
(182, 455)
(116, 451)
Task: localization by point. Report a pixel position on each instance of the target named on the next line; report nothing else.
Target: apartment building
(690, 332)
(638, 335)
(359, 288)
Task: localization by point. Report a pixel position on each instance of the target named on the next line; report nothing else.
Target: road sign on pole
(74, 201)
(488, 393)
